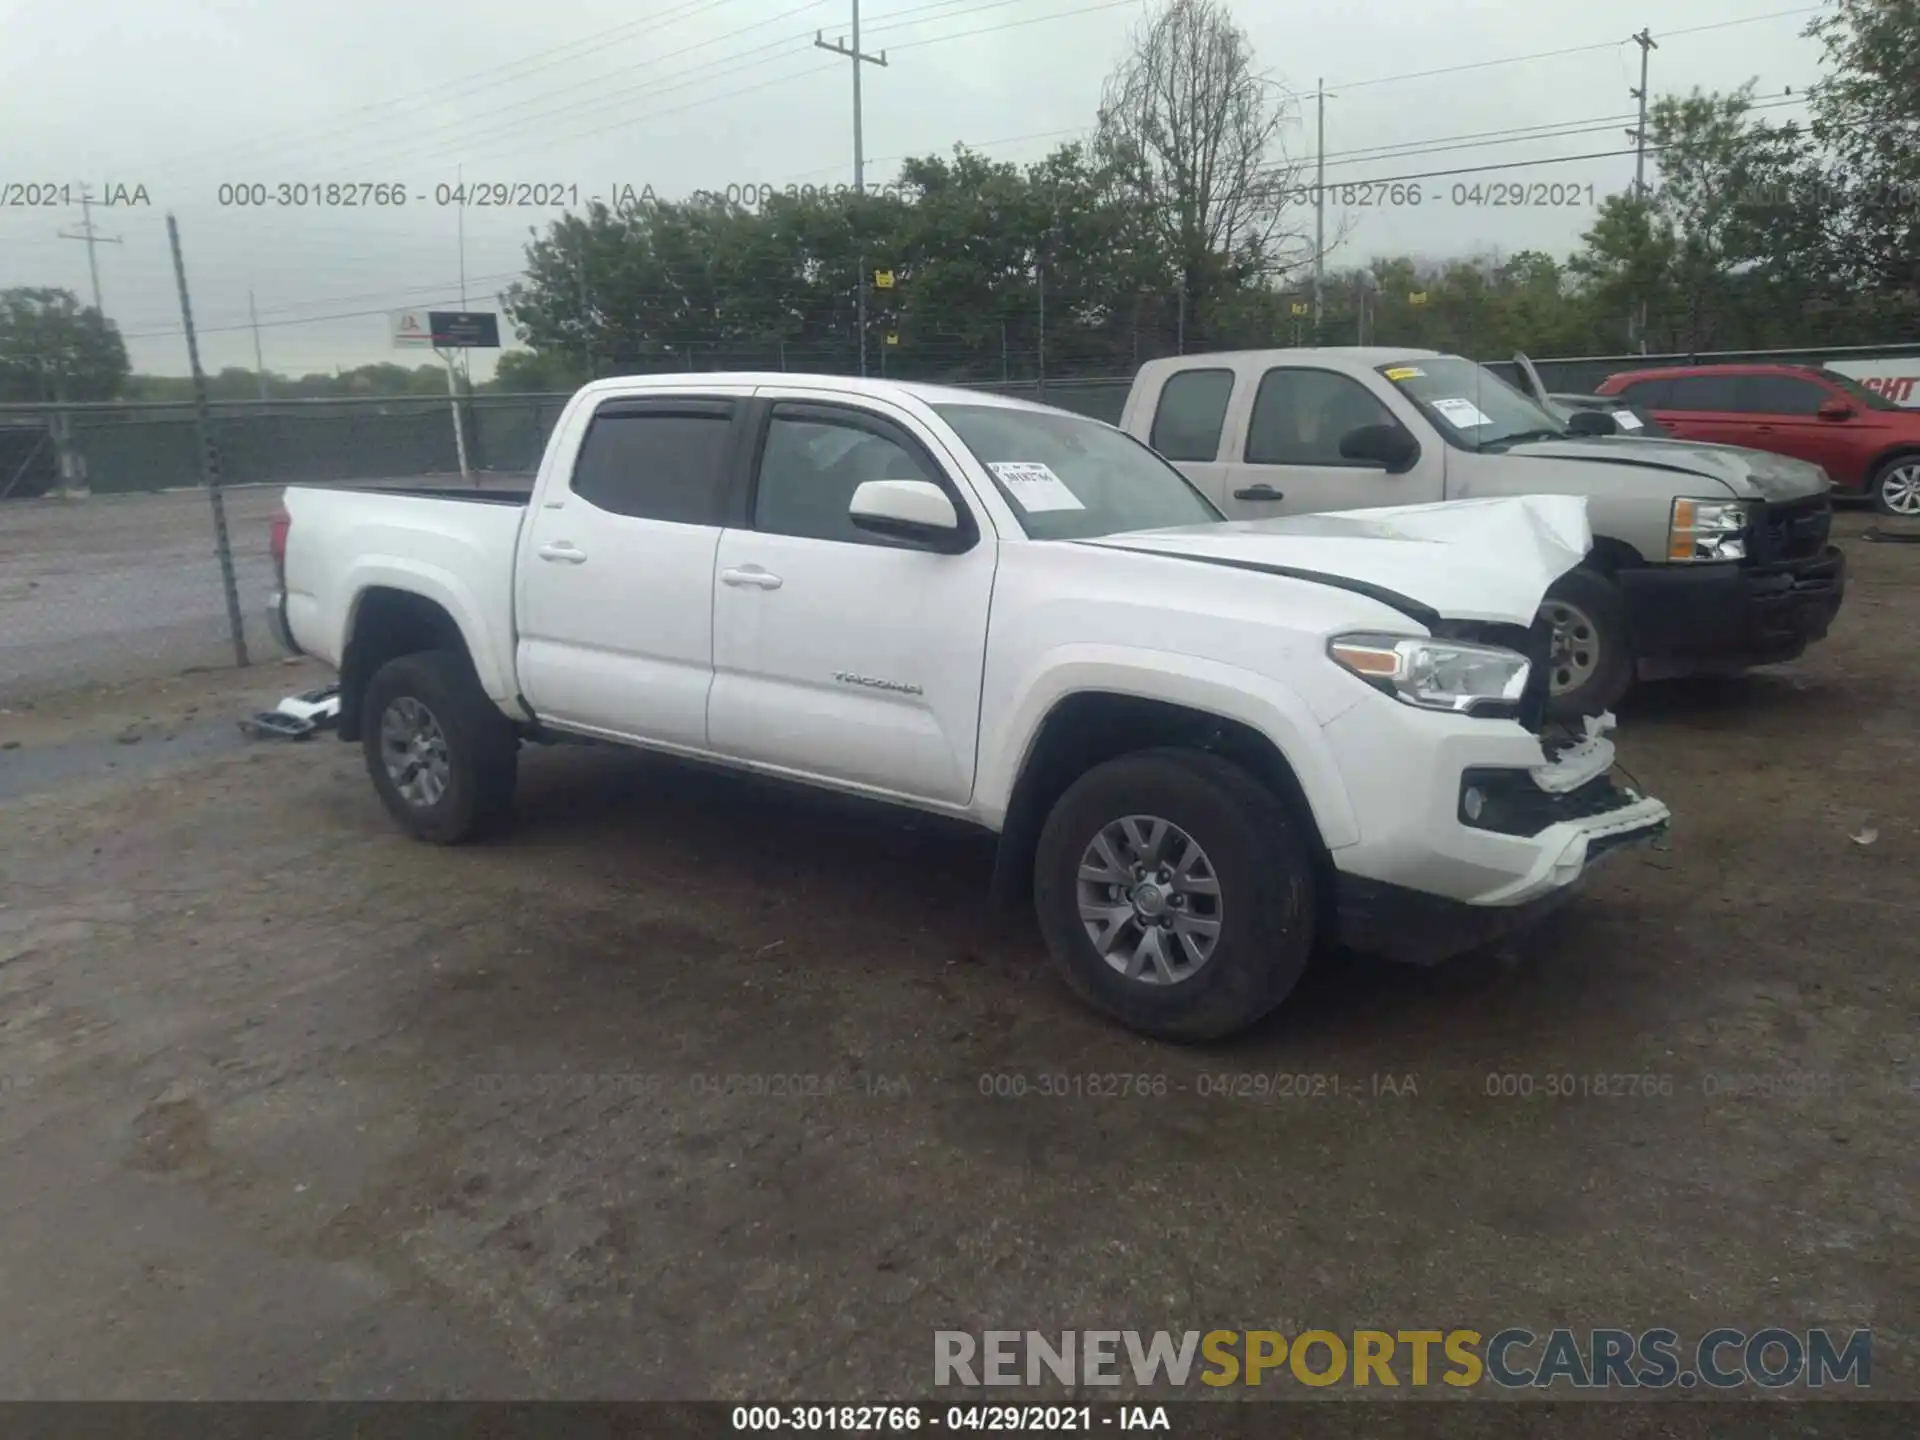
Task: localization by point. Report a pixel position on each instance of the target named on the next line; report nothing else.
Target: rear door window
(1779, 395)
(657, 460)
(1191, 412)
(1702, 393)
(1646, 394)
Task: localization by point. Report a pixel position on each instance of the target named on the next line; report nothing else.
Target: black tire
(1266, 892)
(1596, 629)
(481, 749)
(1901, 465)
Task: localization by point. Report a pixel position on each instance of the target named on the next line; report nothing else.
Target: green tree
(51, 348)
(1866, 123)
(537, 372)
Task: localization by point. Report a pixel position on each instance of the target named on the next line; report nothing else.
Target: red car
(1865, 442)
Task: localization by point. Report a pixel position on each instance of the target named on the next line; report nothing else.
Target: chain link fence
(109, 569)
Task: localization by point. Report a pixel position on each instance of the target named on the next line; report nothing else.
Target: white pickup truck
(1210, 750)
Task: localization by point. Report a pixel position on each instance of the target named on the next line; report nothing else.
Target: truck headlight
(1708, 530)
(1435, 674)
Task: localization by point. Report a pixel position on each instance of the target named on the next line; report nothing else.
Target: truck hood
(1489, 560)
(1748, 474)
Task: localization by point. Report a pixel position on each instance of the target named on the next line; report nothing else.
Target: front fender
(1227, 691)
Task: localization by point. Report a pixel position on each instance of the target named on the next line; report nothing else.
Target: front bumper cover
(1733, 614)
(1548, 824)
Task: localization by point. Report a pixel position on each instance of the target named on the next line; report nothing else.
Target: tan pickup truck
(1704, 558)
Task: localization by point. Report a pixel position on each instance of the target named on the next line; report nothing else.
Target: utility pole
(259, 365)
(93, 237)
(853, 53)
(1637, 322)
(1319, 201)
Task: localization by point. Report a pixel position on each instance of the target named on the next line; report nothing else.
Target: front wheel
(1175, 893)
(1591, 664)
(1896, 486)
(441, 755)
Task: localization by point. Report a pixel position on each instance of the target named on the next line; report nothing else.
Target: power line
(1570, 50)
(369, 156)
(383, 110)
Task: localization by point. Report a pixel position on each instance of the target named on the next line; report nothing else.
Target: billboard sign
(1898, 379)
(446, 330)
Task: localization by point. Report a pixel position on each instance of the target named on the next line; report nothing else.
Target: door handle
(563, 551)
(751, 575)
(1763, 429)
(1259, 492)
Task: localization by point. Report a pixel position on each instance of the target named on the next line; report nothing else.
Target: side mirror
(1387, 445)
(915, 510)
(1592, 422)
(1835, 408)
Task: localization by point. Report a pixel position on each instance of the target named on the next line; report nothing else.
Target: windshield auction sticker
(1034, 486)
(1627, 420)
(1405, 372)
(1461, 414)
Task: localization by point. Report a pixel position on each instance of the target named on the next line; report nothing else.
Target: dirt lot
(292, 1107)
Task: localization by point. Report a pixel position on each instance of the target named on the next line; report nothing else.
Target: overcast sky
(688, 94)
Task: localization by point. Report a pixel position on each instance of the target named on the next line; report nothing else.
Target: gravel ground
(293, 1107)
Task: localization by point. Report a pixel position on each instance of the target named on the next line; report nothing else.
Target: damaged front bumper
(1507, 848)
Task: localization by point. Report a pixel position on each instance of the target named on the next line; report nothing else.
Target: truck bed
(454, 546)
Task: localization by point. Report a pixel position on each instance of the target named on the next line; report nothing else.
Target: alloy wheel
(414, 749)
(1150, 900)
(1900, 489)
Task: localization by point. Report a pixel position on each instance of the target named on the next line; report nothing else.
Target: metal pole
(1637, 322)
(209, 454)
(460, 221)
(259, 365)
(1319, 201)
(453, 405)
(1042, 267)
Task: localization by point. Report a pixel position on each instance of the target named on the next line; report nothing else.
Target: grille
(1795, 531)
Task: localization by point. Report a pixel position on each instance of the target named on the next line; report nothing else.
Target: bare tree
(1195, 134)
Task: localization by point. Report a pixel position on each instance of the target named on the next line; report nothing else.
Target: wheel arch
(387, 622)
(1087, 728)
(1902, 450)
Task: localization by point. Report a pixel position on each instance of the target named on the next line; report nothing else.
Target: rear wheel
(1591, 664)
(1896, 486)
(441, 755)
(1175, 893)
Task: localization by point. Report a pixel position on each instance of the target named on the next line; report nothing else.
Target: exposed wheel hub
(1576, 646)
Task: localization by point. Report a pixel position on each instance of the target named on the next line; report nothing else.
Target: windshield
(1470, 405)
(1069, 478)
(1872, 399)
